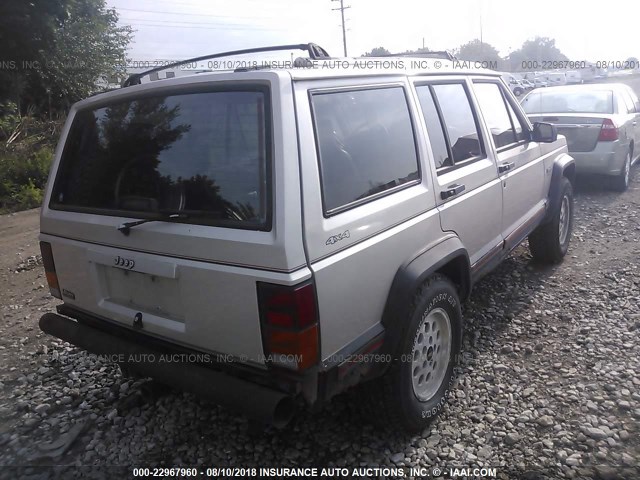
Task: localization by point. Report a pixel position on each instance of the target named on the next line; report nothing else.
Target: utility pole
(481, 42)
(342, 8)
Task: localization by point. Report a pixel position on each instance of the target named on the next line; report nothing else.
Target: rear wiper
(125, 228)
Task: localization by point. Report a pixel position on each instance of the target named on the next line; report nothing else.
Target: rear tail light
(50, 269)
(289, 319)
(609, 132)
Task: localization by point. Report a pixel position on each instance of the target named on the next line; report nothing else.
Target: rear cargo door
(199, 160)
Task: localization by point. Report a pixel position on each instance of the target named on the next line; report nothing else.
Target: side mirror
(544, 132)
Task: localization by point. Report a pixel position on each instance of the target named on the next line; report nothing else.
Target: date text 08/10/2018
(306, 472)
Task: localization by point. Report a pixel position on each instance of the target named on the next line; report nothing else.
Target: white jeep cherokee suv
(268, 237)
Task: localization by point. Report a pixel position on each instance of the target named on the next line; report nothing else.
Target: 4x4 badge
(337, 238)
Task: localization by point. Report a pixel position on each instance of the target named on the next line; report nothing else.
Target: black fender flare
(563, 166)
(408, 279)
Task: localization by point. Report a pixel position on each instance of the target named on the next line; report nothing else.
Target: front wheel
(412, 393)
(549, 242)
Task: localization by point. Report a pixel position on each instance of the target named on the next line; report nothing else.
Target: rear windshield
(204, 156)
(596, 101)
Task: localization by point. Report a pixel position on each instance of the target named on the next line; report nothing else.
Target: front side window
(520, 127)
(202, 155)
(496, 114)
(365, 143)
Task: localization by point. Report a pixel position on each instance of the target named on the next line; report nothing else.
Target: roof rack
(437, 54)
(315, 52)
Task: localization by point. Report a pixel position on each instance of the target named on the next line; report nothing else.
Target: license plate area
(142, 292)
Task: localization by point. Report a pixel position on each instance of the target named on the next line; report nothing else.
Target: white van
(573, 76)
(556, 78)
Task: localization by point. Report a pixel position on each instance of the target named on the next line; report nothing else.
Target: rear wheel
(412, 393)
(549, 242)
(621, 182)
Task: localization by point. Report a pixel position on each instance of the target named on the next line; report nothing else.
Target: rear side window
(365, 143)
(634, 98)
(202, 155)
(451, 124)
(628, 105)
(438, 141)
(459, 121)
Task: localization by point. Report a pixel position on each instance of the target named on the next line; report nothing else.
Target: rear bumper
(242, 390)
(267, 395)
(606, 159)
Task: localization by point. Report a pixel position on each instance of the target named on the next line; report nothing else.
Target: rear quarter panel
(354, 275)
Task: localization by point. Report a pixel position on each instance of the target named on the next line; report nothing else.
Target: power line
(217, 27)
(164, 12)
(205, 3)
(211, 24)
(173, 2)
(342, 8)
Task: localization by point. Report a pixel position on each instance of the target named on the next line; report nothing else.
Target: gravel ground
(549, 382)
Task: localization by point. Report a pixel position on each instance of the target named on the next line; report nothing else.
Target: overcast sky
(583, 30)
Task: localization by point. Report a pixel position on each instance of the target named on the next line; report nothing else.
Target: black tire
(518, 91)
(391, 400)
(621, 182)
(546, 243)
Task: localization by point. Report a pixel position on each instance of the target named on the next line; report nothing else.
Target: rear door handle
(451, 191)
(505, 167)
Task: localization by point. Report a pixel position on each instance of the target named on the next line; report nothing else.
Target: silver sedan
(600, 121)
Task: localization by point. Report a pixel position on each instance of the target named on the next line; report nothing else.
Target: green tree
(54, 52)
(26, 31)
(377, 52)
(26, 28)
(475, 50)
(417, 51)
(540, 49)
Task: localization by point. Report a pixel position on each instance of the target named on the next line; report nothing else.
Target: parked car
(573, 76)
(556, 78)
(600, 121)
(531, 76)
(527, 84)
(267, 237)
(514, 84)
(540, 83)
